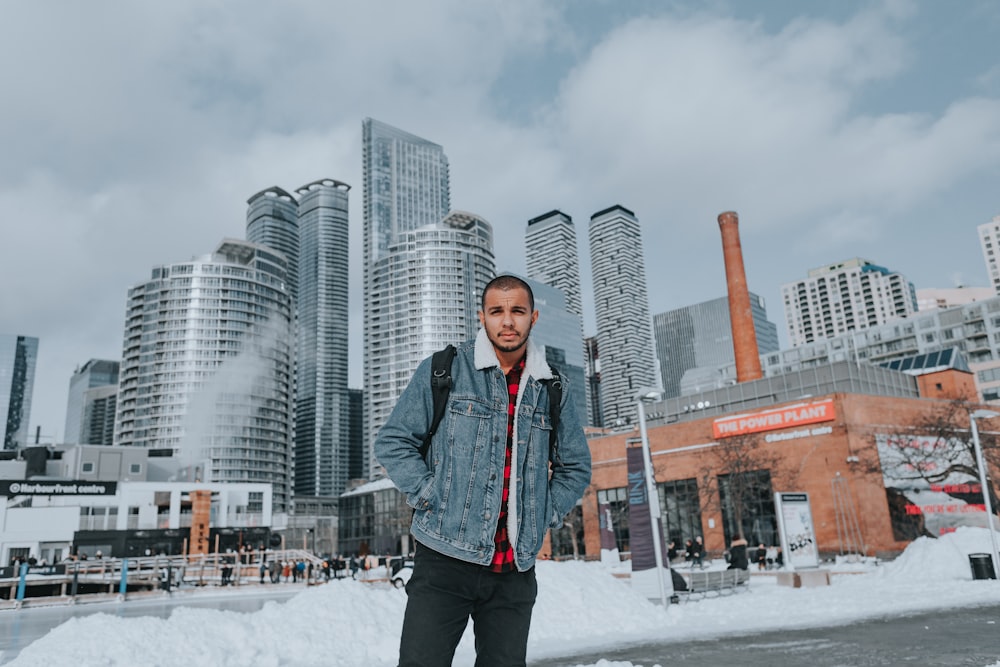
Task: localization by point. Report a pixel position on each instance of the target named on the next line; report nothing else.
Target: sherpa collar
(534, 366)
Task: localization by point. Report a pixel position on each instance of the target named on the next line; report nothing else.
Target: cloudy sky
(132, 134)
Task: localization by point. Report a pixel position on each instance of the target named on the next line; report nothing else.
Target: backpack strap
(555, 407)
(440, 388)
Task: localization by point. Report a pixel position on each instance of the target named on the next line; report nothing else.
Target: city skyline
(835, 130)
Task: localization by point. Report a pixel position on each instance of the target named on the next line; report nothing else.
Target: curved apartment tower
(206, 366)
(621, 303)
(428, 285)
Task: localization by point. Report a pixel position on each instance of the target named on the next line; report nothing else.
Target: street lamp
(981, 464)
(651, 394)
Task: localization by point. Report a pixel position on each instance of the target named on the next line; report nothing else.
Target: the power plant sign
(776, 418)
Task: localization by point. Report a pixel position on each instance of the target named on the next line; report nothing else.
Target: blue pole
(21, 584)
(124, 582)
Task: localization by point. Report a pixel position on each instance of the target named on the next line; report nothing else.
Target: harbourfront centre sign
(63, 488)
(789, 416)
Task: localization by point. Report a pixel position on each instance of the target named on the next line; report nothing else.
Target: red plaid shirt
(503, 558)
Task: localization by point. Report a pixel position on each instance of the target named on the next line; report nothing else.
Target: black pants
(443, 593)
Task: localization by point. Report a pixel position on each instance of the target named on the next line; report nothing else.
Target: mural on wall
(928, 485)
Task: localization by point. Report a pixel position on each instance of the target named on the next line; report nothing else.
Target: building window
(87, 467)
(754, 503)
(617, 504)
(135, 468)
(680, 509)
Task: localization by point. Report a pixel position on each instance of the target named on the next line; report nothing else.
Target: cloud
(134, 133)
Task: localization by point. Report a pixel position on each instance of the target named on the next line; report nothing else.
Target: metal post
(653, 500)
(22, 582)
(981, 464)
(123, 586)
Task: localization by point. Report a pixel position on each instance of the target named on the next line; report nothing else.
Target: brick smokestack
(740, 316)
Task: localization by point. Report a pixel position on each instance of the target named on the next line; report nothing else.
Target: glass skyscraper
(322, 406)
(273, 220)
(206, 366)
(621, 303)
(88, 413)
(702, 335)
(406, 187)
(559, 332)
(18, 356)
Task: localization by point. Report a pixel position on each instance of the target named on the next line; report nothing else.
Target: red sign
(770, 420)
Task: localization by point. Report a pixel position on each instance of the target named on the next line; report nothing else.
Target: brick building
(824, 433)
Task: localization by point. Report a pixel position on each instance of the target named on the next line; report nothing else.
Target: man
(486, 493)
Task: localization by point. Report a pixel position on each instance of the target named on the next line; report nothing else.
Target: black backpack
(441, 387)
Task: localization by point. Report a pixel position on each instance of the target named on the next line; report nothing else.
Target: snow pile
(581, 606)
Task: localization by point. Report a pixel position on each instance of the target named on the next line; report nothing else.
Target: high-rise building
(322, 407)
(311, 229)
(621, 304)
(406, 186)
(593, 373)
(425, 294)
(847, 296)
(552, 258)
(559, 332)
(91, 414)
(18, 355)
(206, 366)
(701, 335)
(989, 241)
(273, 220)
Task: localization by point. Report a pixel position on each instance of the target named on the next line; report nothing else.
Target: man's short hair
(505, 282)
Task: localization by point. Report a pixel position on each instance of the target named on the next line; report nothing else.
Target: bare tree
(936, 448)
(741, 460)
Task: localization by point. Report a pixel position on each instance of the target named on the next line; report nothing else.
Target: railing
(102, 578)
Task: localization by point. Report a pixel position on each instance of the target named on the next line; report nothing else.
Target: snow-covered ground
(580, 606)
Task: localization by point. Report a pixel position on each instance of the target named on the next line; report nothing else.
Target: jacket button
(487, 516)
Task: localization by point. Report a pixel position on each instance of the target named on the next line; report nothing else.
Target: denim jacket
(456, 492)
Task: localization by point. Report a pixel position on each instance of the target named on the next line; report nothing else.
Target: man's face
(507, 318)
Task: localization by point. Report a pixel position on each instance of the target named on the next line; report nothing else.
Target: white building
(426, 290)
(46, 516)
(847, 296)
(989, 241)
(207, 366)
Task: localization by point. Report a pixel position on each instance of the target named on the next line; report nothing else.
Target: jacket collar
(534, 366)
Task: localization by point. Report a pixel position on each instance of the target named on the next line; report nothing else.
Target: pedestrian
(491, 452)
(688, 551)
(738, 554)
(760, 557)
(263, 569)
(697, 553)
(772, 555)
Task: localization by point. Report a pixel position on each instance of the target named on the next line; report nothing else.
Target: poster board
(795, 526)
